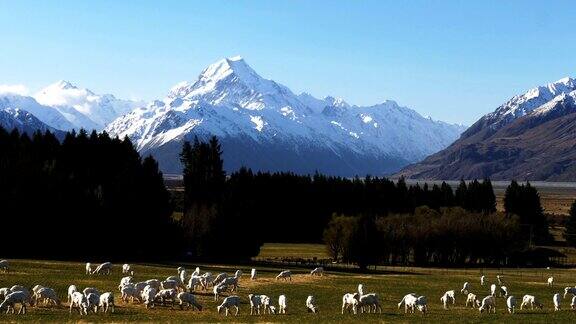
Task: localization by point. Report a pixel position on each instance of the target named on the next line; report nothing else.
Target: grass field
(328, 290)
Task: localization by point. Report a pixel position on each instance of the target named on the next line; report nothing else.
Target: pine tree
(570, 228)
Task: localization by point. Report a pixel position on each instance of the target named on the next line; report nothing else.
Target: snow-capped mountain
(83, 108)
(263, 125)
(45, 114)
(23, 121)
(530, 137)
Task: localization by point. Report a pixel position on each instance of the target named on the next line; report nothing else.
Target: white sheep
(154, 283)
(129, 291)
(311, 304)
(488, 303)
(106, 302)
(206, 279)
(482, 280)
(238, 273)
(71, 290)
(195, 281)
(530, 300)
(217, 290)
(230, 282)
(219, 278)
(47, 295)
(465, 288)
(79, 301)
(36, 288)
(255, 302)
(573, 303)
(557, 298)
(265, 303)
(503, 291)
(4, 265)
(149, 295)
(196, 271)
(500, 280)
(511, 304)
(4, 292)
(448, 298)
(88, 268)
(13, 298)
(104, 268)
(569, 290)
(183, 276)
(282, 304)
(90, 290)
(350, 302)
(493, 290)
(286, 275)
(126, 268)
(317, 272)
(180, 269)
(124, 281)
(472, 300)
(371, 301)
(186, 298)
(253, 274)
(550, 281)
(409, 302)
(170, 284)
(167, 295)
(230, 301)
(93, 301)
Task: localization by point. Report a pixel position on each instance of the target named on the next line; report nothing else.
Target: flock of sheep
(179, 289)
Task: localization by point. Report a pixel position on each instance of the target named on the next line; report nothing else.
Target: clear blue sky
(452, 60)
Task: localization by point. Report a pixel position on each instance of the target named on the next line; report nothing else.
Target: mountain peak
(63, 84)
(223, 68)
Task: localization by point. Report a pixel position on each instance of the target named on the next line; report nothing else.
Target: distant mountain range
(530, 137)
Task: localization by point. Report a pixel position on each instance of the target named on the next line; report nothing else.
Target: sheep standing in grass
(194, 282)
(504, 291)
(4, 265)
(530, 300)
(472, 300)
(253, 274)
(93, 302)
(230, 282)
(126, 268)
(129, 292)
(350, 303)
(90, 290)
(165, 295)
(557, 298)
(569, 290)
(573, 303)
(511, 304)
(255, 302)
(488, 303)
(71, 290)
(217, 290)
(13, 298)
(187, 299)
(448, 298)
(311, 304)
(219, 278)
(149, 295)
(550, 281)
(4, 292)
(106, 302)
(317, 272)
(154, 283)
(47, 295)
(266, 305)
(104, 268)
(493, 290)
(465, 288)
(371, 302)
(206, 279)
(79, 301)
(124, 281)
(230, 301)
(282, 304)
(88, 268)
(409, 302)
(286, 275)
(482, 280)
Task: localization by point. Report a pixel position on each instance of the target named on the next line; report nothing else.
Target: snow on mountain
(83, 108)
(47, 115)
(252, 114)
(23, 121)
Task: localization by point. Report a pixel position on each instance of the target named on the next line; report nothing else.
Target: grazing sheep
(106, 302)
(238, 273)
(186, 298)
(230, 301)
(149, 295)
(183, 276)
(129, 292)
(88, 268)
(170, 284)
(286, 275)
(447, 298)
(253, 274)
(139, 286)
(488, 303)
(231, 282)
(530, 300)
(154, 283)
(13, 298)
(266, 304)
(219, 278)
(282, 304)
(317, 272)
(124, 281)
(573, 303)
(36, 288)
(493, 290)
(165, 295)
(465, 288)
(180, 269)
(311, 304)
(472, 300)
(104, 268)
(255, 302)
(371, 301)
(90, 290)
(218, 289)
(4, 292)
(500, 280)
(47, 295)
(409, 302)
(79, 301)
(4, 265)
(196, 271)
(174, 278)
(569, 290)
(511, 304)
(206, 279)
(557, 298)
(482, 280)
(504, 291)
(551, 281)
(71, 290)
(194, 282)
(126, 268)
(93, 302)
(350, 303)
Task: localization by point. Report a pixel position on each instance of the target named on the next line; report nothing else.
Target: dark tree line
(524, 201)
(86, 196)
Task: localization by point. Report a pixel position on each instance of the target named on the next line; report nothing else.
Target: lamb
(154, 283)
(167, 295)
(106, 302)
(448, 297)
(255, 302)
(282, 304)
(104, 268)
(311, 304)
(488, 303)
(317, 272)
(409, 302)
(88, 268)
(126, 269)
(218, 289)
(503, 291)
(557, 298)
(90, 290)
(511, 304)
(551, 281)
(47, 295)
(465, 288)
(13, 298)
(530, 300)
(71, 290)
(569, 290)
(350, 302)
(371, 301)
(4, 265)
(573, 303)
(79, 301)
(230, 301)
(493, 290)
(149, 295)
(93, 301)
(186, 298)
(482, 280)
(472, 300)
(286, 275)
(253, 274)
(129, 292)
